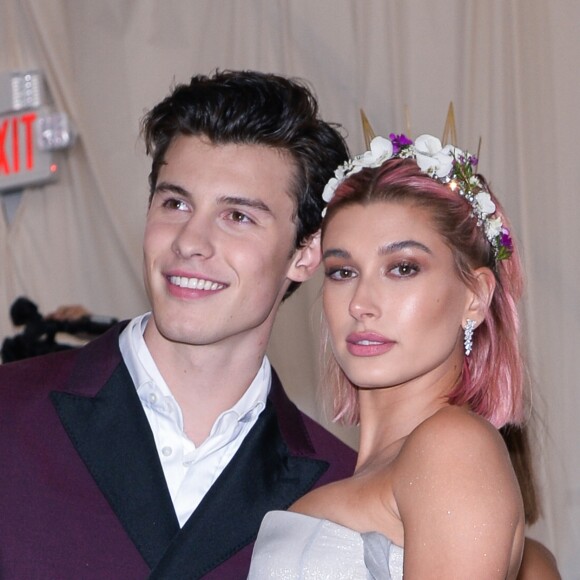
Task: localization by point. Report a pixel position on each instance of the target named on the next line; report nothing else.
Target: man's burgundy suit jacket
(82, 491)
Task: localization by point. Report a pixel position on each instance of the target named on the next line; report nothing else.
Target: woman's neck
(389, 415)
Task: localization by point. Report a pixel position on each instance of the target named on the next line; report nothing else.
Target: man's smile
(195, 283)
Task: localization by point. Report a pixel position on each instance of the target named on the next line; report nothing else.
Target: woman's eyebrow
(403, 245)
(335, 253)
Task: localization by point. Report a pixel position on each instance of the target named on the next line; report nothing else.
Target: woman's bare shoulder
(450, 433)
(458, 498)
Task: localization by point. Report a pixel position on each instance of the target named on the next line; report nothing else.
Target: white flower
(484, 203)
(381, 150)
(449, 165)
(474, 181)
(455, 152)
(340, 172)
(432, 158)
(493, 228)
(427, 145)
(329, 189)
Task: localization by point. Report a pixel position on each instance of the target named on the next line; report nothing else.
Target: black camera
(38, 336)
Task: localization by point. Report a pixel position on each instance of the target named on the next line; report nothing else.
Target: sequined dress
(292, 546)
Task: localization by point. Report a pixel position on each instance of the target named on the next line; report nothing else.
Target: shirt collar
(148, 380)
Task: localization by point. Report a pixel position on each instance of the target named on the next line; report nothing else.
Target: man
(156, 450)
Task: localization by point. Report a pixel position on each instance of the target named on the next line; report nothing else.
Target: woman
(420, 292)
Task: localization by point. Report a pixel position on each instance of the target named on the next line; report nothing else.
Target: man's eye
(239, 217)
(173, 203)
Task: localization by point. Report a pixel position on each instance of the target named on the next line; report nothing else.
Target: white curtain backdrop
(508, 65)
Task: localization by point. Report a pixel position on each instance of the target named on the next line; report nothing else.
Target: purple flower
(506, 240)
(505, 246)
(399, 142)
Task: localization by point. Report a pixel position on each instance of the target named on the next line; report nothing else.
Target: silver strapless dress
(292, 546)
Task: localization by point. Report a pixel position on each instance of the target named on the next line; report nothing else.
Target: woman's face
(392, 298)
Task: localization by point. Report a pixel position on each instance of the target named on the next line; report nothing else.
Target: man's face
(219, 243)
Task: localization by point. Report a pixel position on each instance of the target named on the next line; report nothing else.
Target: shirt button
(167, 451)
(153, 397)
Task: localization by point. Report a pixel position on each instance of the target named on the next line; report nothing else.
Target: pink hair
(492, 380)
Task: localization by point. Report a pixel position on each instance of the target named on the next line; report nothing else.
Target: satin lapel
(262, 476)
(112, 435)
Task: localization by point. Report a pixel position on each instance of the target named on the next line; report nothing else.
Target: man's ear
(481, 295)
(306, 259)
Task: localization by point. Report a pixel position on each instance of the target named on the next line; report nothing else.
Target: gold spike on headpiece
(459, 173)
(478, 153)
(408, 121)
(368, 132)
(449, 131)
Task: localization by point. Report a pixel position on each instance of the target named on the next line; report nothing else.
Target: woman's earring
(468, 336)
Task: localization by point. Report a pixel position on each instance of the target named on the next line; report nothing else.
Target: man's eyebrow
(171, 187)
(243, 201)
(165, 186)
(403, 245)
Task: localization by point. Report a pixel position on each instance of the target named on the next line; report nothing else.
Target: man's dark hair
(254, 108)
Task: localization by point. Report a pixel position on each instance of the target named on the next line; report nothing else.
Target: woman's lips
(368, 344)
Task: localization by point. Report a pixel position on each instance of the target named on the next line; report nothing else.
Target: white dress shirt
(189, 470)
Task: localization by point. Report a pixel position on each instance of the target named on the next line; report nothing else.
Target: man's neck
(205, 380)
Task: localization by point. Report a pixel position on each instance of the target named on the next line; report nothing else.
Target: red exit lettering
(12, 130)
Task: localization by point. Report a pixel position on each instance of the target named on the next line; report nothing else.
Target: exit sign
(22, 163)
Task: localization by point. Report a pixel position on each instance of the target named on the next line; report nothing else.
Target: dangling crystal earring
(468, 335)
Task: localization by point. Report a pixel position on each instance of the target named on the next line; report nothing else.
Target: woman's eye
(340, 273)
(404, 269)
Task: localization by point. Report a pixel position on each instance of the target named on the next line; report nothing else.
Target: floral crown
(448, 165)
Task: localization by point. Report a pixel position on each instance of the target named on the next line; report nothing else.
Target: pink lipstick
(368, 344)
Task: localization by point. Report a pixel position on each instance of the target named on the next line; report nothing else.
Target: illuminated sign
(22, 162)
